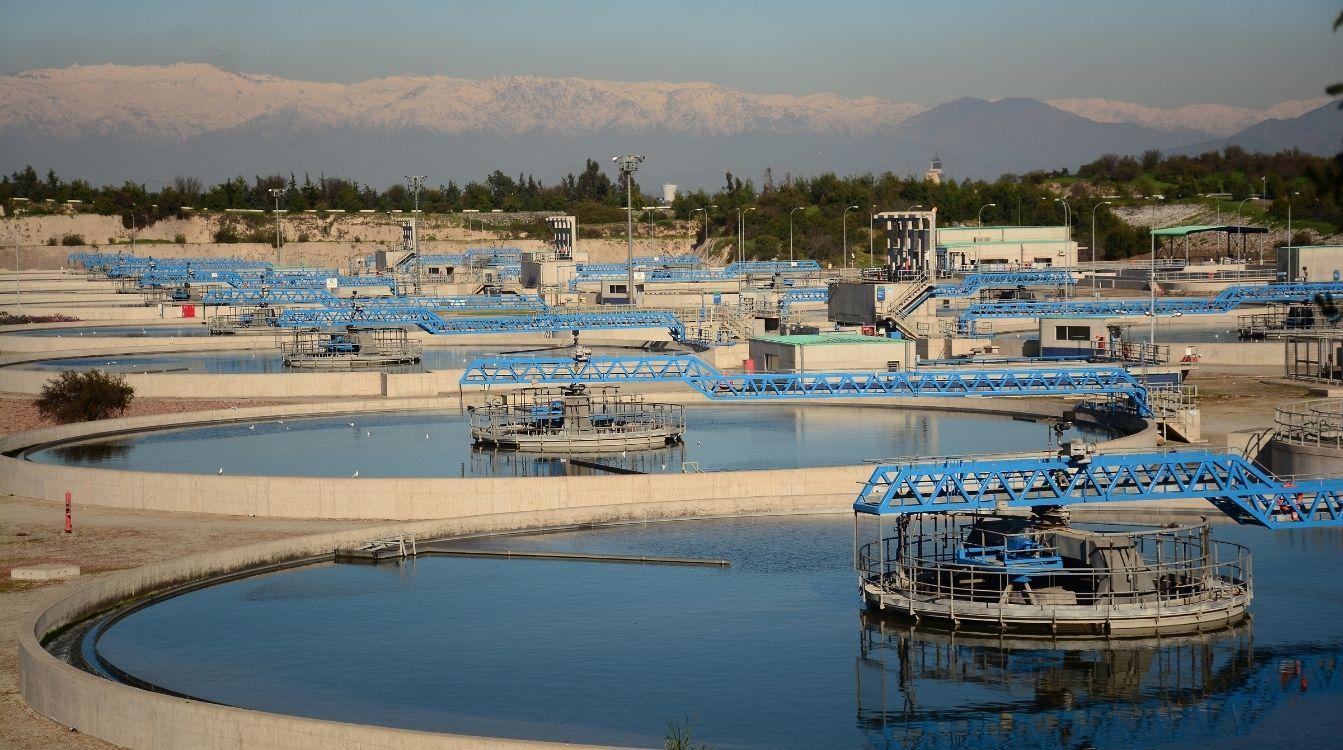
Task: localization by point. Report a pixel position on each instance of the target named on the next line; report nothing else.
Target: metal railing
(1316, 423)
(1174, 568)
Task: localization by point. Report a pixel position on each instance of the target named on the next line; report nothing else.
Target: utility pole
(629, 164)
(276, 193)
(872, 234)
(844, 222)
(1094, 286)
(18, 292)
(741, 232)
(416, 183)
(790, 231)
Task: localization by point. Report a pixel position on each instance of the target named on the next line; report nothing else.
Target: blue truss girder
(257, 296)
(974, 282)
(1227, 480)
(744, 267)
(1067, 381)
(1098, 381)
(452, 303)
(432, 322)
(1226, 300)
(557, 370)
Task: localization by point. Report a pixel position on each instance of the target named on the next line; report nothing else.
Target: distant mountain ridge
(113, 122)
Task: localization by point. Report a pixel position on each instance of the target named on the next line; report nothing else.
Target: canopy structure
(1228, 229)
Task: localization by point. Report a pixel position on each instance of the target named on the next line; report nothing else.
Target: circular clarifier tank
(774, 650)
(439, 444)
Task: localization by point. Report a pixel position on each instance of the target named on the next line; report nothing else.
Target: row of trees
(1312, 184)
(816, 205)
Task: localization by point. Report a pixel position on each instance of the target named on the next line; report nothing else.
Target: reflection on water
(774, 651)
(1043, 693)
(439, 444)
(91, 454)
(134, 332)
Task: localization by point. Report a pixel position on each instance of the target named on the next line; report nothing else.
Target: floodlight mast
(629, 164)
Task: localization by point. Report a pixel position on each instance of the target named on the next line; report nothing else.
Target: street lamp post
(1238, 219)
(629, 164)
(18, 292)
(1151, 285)
(706, 223)
(844, 222)
(274, 193)
(741, 231)
(790, 232)
(872, 234)
(1094, 286)
(1288, 243)
(689, 227)
(981, 213)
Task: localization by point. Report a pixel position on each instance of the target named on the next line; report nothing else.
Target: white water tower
(668, 194)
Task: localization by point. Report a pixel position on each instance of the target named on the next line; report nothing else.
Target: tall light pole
(1094, 286)
(790, 232)
(844, 222)
(741, 231)
(706, 223)
(1239, 220)
(274, 193)
(629, 164)
(1288, 243)
(416, 183)
(981, 213)
(872, 233)
(690, 227)
(1151, 285)
(18, 292)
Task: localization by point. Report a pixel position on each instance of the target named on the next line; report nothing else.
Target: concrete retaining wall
(1288, 459)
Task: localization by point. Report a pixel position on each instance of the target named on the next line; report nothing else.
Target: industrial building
(1310, 263)
(916, 245)
(968, 249)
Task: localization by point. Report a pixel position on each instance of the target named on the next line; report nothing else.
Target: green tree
(84, 396)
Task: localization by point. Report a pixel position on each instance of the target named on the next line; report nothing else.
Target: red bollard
(69, 521)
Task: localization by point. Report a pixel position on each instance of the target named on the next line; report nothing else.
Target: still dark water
(772, 652)
(270, 361)
(126, 331)
(439, 444)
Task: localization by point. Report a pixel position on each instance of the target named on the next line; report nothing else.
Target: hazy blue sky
(1159, 52)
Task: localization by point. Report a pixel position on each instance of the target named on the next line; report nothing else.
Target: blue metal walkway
(432, 322)
(565, 370)
(1226, 300)
(1227, 480)
(974, 282)
(1059, 381)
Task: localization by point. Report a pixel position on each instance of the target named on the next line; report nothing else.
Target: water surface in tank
(774, 651)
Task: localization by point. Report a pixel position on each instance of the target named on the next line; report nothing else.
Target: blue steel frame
(1061, 381)
(974, 282)
(563, 370)
(432, 322)
(1226, 300)
(1233, 484)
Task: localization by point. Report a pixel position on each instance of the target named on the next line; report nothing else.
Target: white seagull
(355, 474)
